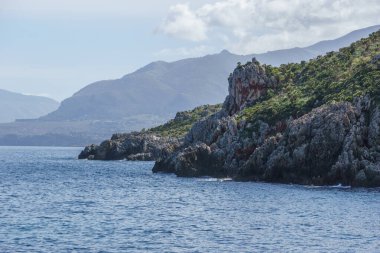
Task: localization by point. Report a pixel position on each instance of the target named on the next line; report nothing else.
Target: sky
(54, 48)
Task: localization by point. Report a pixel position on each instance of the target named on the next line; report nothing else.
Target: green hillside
(338, 76)
(183, 121)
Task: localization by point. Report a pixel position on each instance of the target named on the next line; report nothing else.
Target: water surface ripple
(52, 202)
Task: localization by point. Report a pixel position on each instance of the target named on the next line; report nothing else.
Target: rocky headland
(315, 122)
(152, 144)
(133, 146)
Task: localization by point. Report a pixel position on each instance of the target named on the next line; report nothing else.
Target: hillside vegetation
(338, 76)
(183, 121)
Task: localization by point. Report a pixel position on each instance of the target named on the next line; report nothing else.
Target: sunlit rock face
(247, 84)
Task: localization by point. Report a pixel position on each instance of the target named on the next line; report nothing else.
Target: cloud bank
(248, 26)
(184, 23)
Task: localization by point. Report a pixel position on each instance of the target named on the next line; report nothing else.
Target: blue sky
(54, 48)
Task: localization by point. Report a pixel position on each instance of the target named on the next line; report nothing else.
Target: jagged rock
(360, 179)
(325, 146)
(247, 84)
(134, 146)
(308, 149)
(208, 130)
(374, 129)
(195, 160)
(88, 152)
(368, 177)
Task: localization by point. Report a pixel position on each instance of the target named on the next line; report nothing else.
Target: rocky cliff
(315, 122)
(152, 144)
(133, 146)
(332, 144)
(303, 123)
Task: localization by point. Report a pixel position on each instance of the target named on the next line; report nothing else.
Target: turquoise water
(52, 202)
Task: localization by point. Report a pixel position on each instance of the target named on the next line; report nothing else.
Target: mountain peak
(19, 106)
(225, 51)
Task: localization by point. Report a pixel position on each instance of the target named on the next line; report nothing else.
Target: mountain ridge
(155, 92)
(16, 106)
(176, 82)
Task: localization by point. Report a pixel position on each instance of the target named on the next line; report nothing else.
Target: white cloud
(249, 26)
(183, 23)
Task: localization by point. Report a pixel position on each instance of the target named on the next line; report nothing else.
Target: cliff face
(299, 123)
(133, 146)
(334, 143)
(309, 123)
(246, 85)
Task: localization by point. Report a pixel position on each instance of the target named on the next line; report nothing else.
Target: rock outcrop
(133, 146)
(310, 123)
(246, 85)
(336, 143)
(152, 144)
(333, 144)
(326, 146)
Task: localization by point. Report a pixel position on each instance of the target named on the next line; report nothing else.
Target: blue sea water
(52, 202)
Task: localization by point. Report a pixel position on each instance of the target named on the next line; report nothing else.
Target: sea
(52, 202)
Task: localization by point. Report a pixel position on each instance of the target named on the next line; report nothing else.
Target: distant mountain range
(152, 95)
(163, 88)
(18, 106)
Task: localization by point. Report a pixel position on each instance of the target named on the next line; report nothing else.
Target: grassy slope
(183, 121)
(337, 76)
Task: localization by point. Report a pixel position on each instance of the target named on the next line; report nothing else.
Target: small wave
(226, 179)
(340, 186)
(214, 179)
(207, 179)
(313, 186)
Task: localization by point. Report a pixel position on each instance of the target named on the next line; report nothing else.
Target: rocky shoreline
(134, 146)
(330, 143)
(333, 144)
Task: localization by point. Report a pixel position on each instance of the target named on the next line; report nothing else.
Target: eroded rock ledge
(133, 146)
